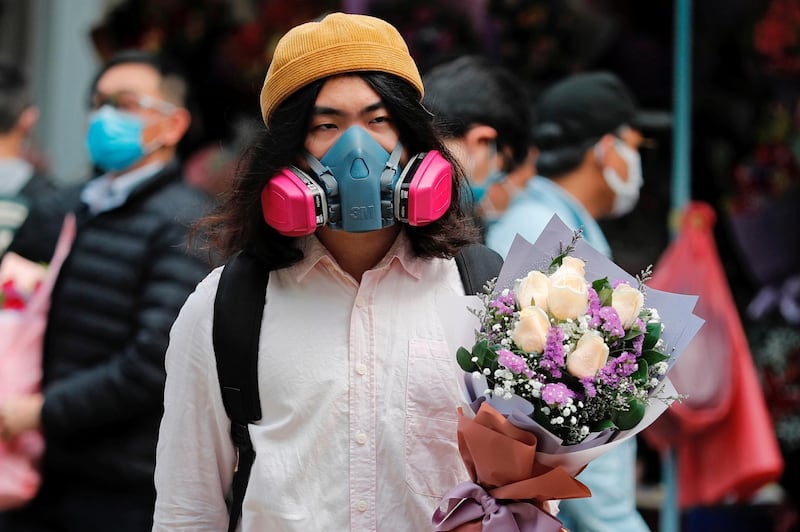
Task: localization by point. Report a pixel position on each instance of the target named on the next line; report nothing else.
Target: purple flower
(594, 308)
(553, 357)
(588, 386)
(605, 318)
(611, 322)
(513, 362)
(638, 342)
(557, 394)
(626, 364)
(617, 368)
(503, 304)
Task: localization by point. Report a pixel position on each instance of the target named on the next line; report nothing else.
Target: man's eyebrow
(374, 107)
(322, 110)
(318, 110)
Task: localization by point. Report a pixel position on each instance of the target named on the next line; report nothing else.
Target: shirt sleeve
(195, 456)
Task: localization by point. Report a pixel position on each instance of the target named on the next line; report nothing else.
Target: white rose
(535, 287)
(628, 302)
(590, 354)
(572, 264)
(530, 332)
(568, 297)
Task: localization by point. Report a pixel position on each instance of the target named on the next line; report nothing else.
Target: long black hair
(238, 224)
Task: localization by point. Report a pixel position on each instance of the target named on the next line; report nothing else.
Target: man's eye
(99, 101)
(380, 119)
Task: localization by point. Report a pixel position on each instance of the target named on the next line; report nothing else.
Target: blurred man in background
(117, 294)
(19, 180)
(483, 112)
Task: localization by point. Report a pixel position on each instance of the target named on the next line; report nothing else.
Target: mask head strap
(390, 170)
(324, 174)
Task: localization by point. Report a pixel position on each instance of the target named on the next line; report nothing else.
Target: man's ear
(477, 137)
(176, 126)
(602, 148)
(27, 120)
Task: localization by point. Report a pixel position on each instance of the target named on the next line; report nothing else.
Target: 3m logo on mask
(365, 212)
(358, 186)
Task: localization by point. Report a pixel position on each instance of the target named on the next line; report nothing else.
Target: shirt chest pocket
(432, 462)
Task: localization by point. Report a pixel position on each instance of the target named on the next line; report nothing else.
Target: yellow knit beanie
(337, 44)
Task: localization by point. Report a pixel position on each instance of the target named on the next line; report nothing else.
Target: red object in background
(21, 335)
(722, 433)
(10, 297)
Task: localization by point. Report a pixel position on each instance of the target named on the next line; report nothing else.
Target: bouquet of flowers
(24, 302)
(572, 352)
(20, 321)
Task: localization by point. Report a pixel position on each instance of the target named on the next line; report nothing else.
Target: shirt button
(360, 302)
(361, 438)
(362, 506)
(361, 369)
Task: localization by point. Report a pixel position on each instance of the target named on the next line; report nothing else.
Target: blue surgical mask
(114, 139)
(495, 174)
(479, 191)
(359, 175)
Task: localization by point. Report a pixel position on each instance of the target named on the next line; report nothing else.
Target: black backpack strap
(477, 264)
(238, 309)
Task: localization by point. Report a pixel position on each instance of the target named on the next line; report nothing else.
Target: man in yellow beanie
(349, 206)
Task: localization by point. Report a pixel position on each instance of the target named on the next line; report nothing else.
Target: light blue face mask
(479, 191)
(114, 139)
(358, 174)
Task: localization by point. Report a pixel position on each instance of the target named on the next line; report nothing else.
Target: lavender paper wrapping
(460, 325)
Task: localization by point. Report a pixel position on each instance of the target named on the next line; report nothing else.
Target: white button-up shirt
(358, 392)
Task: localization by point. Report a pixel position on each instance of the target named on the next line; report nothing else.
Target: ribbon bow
(509, 487)
(468, 502)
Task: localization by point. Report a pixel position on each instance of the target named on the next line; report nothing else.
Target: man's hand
(20, 414)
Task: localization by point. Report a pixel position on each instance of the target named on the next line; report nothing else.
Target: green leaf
(633, 333)
(486, 355)
(464, 358)
(630, 418)
(654, 357)
(652, 335)
(604, 291)
(556, 262)
(640, 374)
(602, 425)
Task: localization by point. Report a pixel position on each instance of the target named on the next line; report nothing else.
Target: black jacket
(14, 205)
(118, 292)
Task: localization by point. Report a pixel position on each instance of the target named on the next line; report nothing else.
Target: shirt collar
(543, 187)
(108, 192)
(315, 253)
(16, 174)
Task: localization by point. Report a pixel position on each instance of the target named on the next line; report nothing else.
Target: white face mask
(626, 193)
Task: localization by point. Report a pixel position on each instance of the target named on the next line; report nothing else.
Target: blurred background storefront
(50, 39)
(745, 63)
